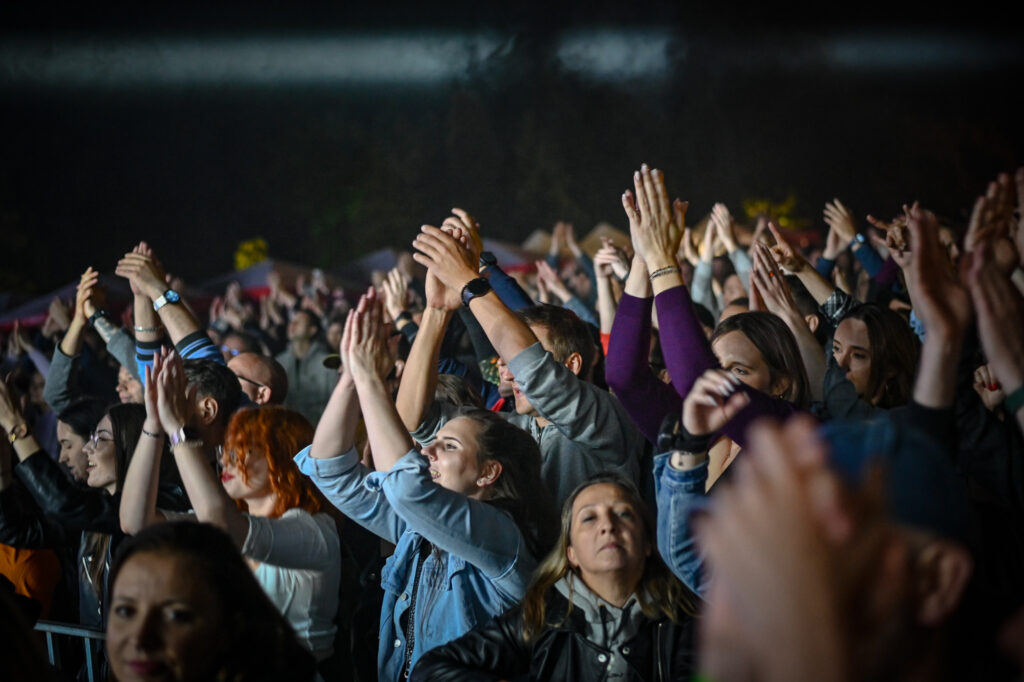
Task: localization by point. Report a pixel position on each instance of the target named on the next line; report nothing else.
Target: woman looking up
(467, 513)
(601, 606)
(266, 506)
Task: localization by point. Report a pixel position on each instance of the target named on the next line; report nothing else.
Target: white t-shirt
(300, 570)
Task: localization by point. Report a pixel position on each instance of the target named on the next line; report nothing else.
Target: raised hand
(59, 313)
(396, 291)
(992, 222)
(655, 231)
(365, 340)
(447, 259)
(689, 250)
(722, 220)
(551, 282)
(144, 273)
(610, 260)
(775, 540)
(897, 237)
(783, 253)
(988, 389)
(1000, 312)
(712, 402)
(839, 219)
(470, 228)
(175, 400)
(771, 284)
(940, 300)
(150, 389)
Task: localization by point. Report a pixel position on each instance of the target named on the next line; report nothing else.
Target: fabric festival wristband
(1015, 400)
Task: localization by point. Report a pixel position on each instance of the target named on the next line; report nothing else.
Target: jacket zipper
(657, 652)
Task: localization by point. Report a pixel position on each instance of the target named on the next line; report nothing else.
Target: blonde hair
(659, 591)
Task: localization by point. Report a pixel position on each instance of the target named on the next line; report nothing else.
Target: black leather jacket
(662, 650)
(45, 508)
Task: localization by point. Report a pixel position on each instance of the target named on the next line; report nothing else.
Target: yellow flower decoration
(251, 252)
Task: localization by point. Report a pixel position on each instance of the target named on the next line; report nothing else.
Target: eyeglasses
(229, 350)
(254, 383)
(95, 439)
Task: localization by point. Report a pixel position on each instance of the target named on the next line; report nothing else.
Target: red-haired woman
(264, 503)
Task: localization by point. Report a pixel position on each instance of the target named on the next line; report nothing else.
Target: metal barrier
(52, 628)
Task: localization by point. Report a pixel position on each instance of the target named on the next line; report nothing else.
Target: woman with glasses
(41, 506)
(268, 508)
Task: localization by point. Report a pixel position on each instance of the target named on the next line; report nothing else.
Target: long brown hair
(894, 351)
(659, 592)
(276, 433)
(778, 347)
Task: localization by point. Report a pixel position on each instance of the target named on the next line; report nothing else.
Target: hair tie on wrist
(151, 435)
(1015, 400)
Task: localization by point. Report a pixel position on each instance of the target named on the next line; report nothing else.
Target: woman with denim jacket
(468, 513)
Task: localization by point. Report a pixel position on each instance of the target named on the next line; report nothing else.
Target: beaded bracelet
(663, 271)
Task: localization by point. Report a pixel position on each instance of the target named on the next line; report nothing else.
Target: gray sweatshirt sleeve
(62, 381)
(122, 347)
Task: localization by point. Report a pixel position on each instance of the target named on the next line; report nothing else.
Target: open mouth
(225, 476)
(434, 474)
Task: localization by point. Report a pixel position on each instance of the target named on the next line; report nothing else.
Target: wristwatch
(475, 287)
(186, 435)
(100, 312)
(169, 296)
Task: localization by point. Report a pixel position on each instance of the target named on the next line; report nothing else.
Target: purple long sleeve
(647, 399)
(688, 355)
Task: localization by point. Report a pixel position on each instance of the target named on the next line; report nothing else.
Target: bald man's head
(263, 379)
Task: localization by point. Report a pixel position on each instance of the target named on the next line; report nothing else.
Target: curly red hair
(276, 433)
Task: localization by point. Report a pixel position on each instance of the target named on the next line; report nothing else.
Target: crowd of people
(713, 451)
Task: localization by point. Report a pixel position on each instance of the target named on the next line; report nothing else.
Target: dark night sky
(754, 103)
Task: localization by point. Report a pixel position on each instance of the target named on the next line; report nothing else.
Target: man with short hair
(548, 355)
(261, 378)
(310, 384)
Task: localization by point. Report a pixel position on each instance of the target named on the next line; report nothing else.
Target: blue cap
(923, 489)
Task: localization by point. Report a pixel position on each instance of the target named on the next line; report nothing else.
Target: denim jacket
(679, 494)
(478, 569)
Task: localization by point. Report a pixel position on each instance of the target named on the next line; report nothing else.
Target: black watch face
(478, 287)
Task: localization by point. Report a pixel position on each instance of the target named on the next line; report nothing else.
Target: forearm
(105, 328)
(389, 437)
(684, 346)
(605, 304)
(507, 332)
(637, 282)
(935, 385)
(211, 504)
(811, 352)
(71, 344)
(419, 379)
(177, 318)
(138, 499)
(819, 287)
(336, 430)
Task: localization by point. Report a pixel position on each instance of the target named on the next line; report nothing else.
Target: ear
(263, 394)
(575, 363)
(812, 322)
(489, 473)
(570, 554)
(780, 386)
(207, 409)
(944, 569)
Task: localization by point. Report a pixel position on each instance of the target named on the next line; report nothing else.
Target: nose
(504, 372)
(148, 633)
(842, 359)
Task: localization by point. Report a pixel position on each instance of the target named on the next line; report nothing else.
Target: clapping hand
(143, 272)
(712, 402)
(396, 290)
(655, 229)
(784, 254)
(175, 398)
(364, 342)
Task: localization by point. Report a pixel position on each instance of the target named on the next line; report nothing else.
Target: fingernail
(644, 167)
